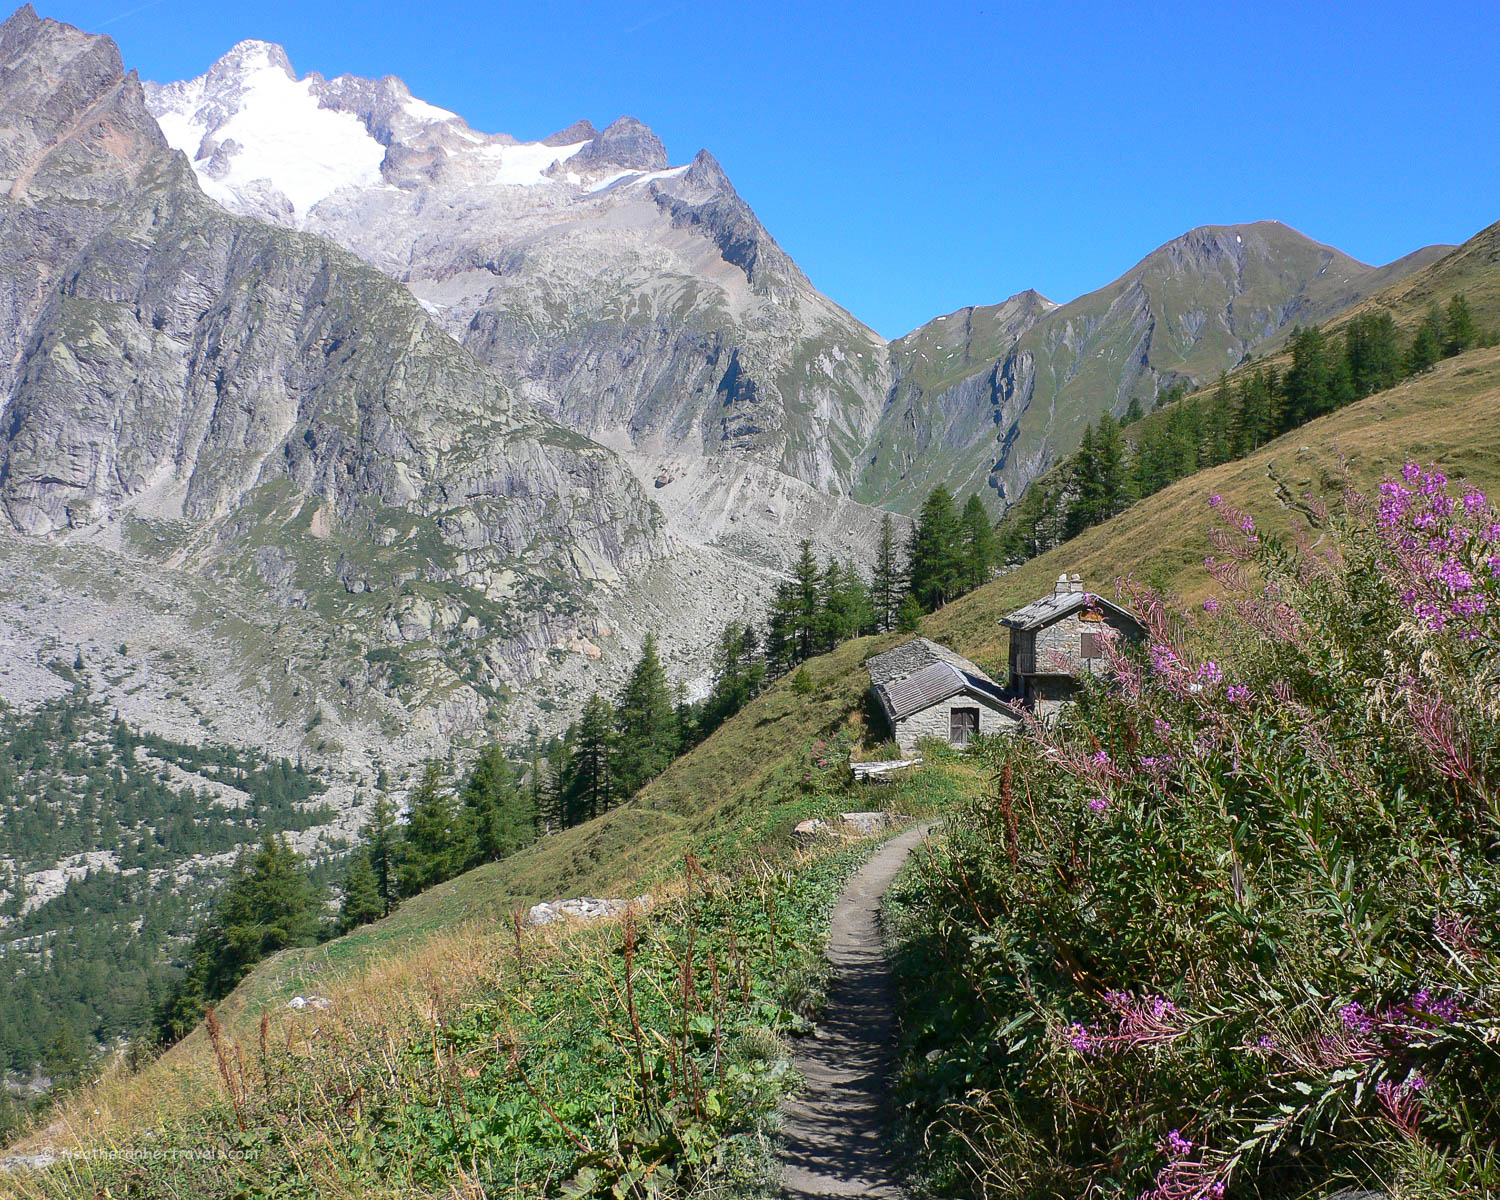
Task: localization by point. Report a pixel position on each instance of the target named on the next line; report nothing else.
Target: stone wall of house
(936, 722)
(1048, 694)
(1062, 642)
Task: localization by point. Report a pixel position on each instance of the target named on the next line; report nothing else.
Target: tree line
(1121, 461)
(615, 747)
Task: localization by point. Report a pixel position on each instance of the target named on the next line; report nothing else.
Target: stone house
(929, 691)
(1057, 640)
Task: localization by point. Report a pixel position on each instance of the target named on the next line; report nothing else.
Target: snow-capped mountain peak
(249, 125)
(269, 144)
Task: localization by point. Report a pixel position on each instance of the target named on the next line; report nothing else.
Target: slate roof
(920, 673)
(1057, 606)
(911, 656)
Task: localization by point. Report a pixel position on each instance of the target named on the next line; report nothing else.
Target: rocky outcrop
(284, 414)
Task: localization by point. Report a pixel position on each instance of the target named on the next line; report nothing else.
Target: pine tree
(1427, 345)
(590, 787)
(981, 546)
(361, 901)
(935, 553)
(909, 616)
(1374, 355)
(439, 840)
(1310, 383)
(807, 596)
(381, 837)
(268, 905)
(645, 721)
(1459, 333)
(556, 771)
(1087, 499)
(888, 586)
(502, 811)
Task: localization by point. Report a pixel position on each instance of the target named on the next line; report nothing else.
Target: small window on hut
(1089, 647)
(963, 724)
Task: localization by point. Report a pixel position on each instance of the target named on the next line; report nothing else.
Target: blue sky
(915, 158)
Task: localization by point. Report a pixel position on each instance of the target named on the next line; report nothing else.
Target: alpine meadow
(508, 689)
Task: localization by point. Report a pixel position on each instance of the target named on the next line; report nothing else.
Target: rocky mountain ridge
(646, 306)
(246, 406)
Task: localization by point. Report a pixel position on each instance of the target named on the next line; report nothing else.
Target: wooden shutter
(963, 724)
(1089, 646)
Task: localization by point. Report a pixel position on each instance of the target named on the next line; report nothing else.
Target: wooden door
(963, 724)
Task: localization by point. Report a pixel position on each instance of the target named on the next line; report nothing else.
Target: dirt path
(836, 1128)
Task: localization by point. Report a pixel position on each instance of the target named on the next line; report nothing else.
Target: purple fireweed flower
(1162, 726)
(1210, 605)
(1175, 1145)
(1099, 804)
(1215, 500)
(1238, 693)
(1080, 1039)
(1210, 674)
(1101, 758)
(1355, 1019)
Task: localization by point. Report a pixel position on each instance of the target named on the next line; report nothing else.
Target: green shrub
(1229, 927)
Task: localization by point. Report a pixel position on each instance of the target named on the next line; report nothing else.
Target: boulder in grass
(584, 908)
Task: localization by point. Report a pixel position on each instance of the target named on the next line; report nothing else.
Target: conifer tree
(646, 723)
(1374, 355)
(1310, 382)
(1427, 345)
(503, 813)
(360, 901)
(934, 553)
(590, 788)
(888, 586)
(381, 837)
(556, 770)
(807, 597)
(981, 546)
(268, 905)
(439, 840)
(909, 616)
(1459, 333)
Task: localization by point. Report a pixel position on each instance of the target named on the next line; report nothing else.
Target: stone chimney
(1077, 583)
(1062, 587)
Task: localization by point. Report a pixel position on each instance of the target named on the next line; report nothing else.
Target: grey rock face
(625, 142)
(285, 414)
(642, 305)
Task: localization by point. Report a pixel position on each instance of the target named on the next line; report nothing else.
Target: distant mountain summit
(639, 303)
(646, 306)
(988, 398)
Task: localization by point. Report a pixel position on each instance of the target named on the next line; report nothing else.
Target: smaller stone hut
(929, 691)
(1059, 639)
